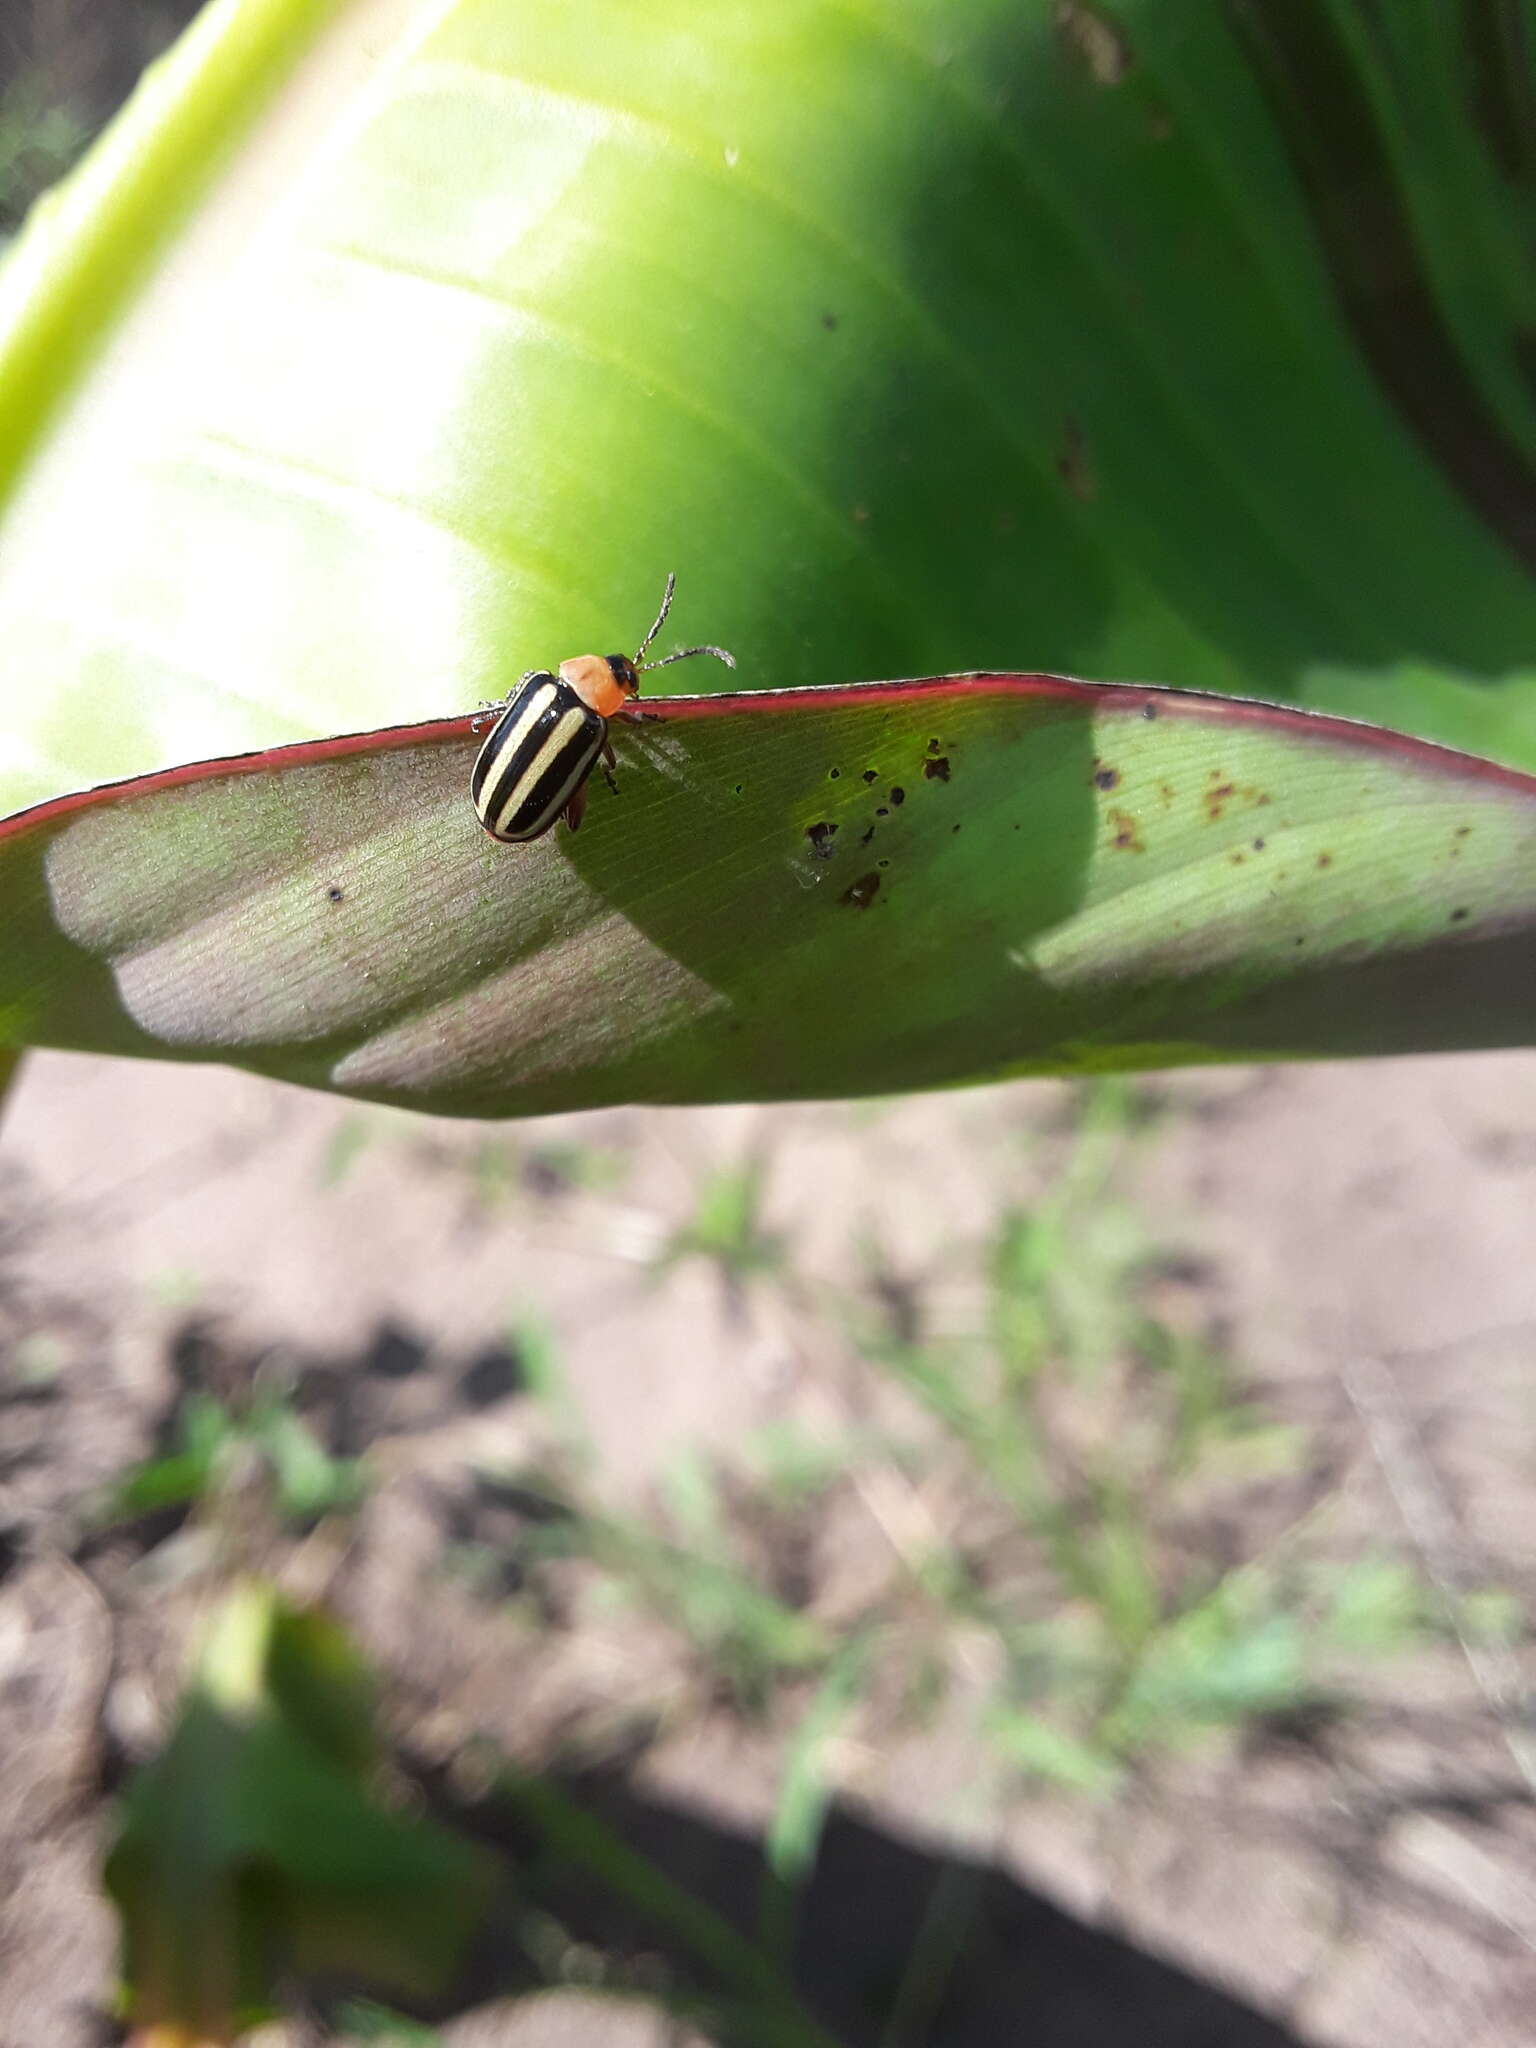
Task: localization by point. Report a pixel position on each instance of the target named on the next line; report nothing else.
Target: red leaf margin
(1147, 700)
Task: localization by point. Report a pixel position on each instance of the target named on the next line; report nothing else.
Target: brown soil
(1356, 1238)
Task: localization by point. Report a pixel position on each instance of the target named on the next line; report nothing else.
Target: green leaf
(254, 1845)
(387, 347)
(1221, 1661)
(1376, 1605)
(1041, 1750)
(1252, 883)
(309, 1481)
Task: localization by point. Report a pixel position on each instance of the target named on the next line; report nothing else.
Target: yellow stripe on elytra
(507, 745)
(561, 735)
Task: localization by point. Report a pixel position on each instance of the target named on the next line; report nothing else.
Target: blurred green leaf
(1042, 1750)
(255, 1845)
(1376, 1605)
(307, 1481)
(1225, 1660)
(726, 1229)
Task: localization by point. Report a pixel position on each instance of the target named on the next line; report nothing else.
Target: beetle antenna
(687, 654)
(661, 619)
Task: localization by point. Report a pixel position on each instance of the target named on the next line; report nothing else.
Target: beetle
(533, 766)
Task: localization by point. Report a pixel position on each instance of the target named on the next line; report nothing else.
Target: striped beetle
(534, 764)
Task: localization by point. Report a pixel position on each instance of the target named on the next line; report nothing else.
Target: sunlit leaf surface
(387, 348)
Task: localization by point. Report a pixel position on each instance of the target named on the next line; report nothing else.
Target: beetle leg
(574, 810)
(610, 764)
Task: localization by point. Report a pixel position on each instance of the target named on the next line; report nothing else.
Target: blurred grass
(1023, 1442)
(1051, 1464)
(220, 1450)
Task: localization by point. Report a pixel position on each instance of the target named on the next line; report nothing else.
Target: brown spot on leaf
(1258, 846)
(862, 892)
(1126, 837)
(1149, 711)
(1073, 465)
(937, 771)
(1325, 860)
(1459, 914)
(871, 775)
(865, 837)
(829, 321)
(334, 893)
(898, 794)
(1463, 831)
(821, 835)
(1107, 778)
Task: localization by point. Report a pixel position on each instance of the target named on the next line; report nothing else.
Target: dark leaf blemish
(865, 837)
(1325, 860)
(898, 795)
(1459, 914)
(933, 746)
(1107, 778)
(334, 893)
(871, 775)
(1149, 711)
(937, 771)
(833, 774)
(862, 893)
(821, 835)
(881, 811)
(1072, 463)
(1127, 838)
(829, 321)
(1258, 846)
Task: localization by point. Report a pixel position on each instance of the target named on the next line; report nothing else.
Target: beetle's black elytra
(536, 757)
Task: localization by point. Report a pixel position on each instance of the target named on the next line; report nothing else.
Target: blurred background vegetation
(65, 65)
